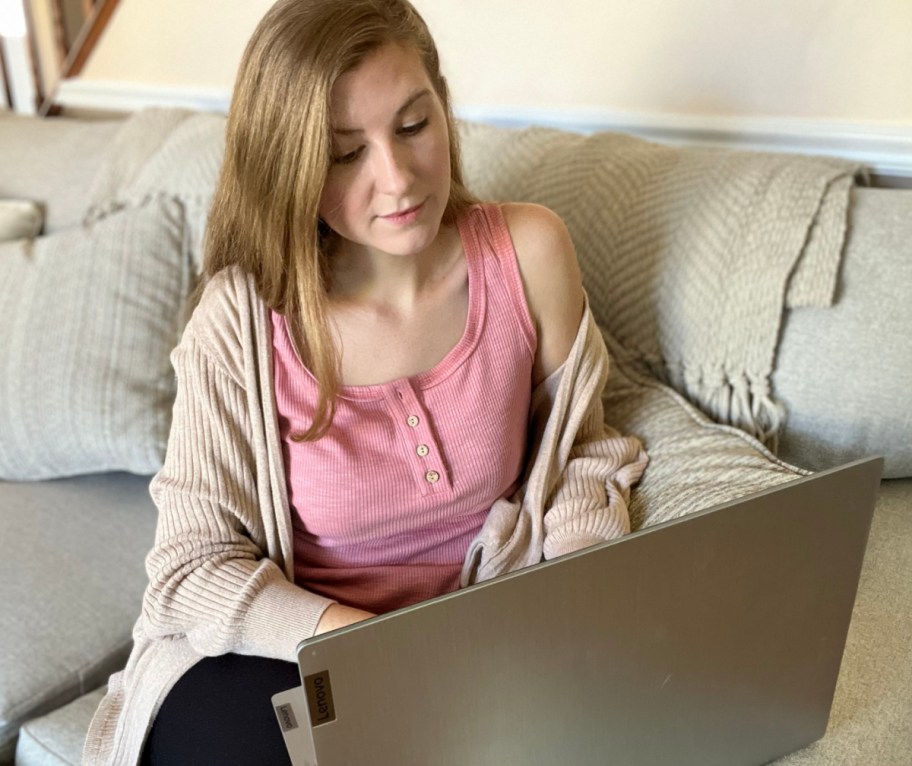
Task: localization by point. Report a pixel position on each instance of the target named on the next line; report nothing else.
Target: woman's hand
(338, 616)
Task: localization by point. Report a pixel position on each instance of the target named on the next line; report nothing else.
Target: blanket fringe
(738, 400)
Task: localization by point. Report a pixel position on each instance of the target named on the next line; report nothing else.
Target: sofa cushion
(19, 219)
(71, 583)
(844, 373)
(86, 383)
(52, 161)
(57, 738)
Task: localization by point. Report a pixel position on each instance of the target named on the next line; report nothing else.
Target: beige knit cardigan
(220, 572)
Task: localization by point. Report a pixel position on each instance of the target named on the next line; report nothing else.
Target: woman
(354, 388)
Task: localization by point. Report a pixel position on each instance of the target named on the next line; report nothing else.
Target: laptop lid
(711, 639)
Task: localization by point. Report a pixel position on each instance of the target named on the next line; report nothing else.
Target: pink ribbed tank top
(384, 506)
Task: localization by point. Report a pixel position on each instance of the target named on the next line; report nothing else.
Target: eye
(347, 159)
(414, 129)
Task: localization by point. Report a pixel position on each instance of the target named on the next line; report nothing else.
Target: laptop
(714, 639)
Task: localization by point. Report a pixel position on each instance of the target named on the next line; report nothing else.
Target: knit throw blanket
(690, 256)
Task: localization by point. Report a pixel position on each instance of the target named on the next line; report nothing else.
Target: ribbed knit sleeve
(209, 575)
(578, 484)
(589, 505)
(588, 488)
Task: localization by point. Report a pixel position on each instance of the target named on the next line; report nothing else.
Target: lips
(404, 216)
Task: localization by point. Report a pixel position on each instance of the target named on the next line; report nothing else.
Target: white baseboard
(886, 149)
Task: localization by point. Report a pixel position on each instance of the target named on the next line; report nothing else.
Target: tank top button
(432, 477)
(422, 450)
(412, 421)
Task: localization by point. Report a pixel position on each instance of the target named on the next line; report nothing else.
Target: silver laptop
(711, 639)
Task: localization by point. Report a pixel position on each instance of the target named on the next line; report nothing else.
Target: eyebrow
(408, 102)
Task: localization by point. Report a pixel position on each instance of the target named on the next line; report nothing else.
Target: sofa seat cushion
(57, 738)
(71, 584)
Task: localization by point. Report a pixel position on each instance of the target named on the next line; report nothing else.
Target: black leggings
(220, 713)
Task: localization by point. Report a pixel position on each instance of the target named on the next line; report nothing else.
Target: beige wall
(175, 42)
(818, 59)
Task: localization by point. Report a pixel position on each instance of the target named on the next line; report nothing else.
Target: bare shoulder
(539, 235)
(551, 278)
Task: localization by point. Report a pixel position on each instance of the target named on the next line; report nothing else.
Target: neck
(362, 275)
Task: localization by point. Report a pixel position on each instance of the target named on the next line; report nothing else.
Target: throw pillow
(90, 316)
(19, 219)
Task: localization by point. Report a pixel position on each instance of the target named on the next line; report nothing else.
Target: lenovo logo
(319, 698)
(287, 718)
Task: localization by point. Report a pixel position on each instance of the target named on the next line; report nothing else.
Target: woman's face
(389, 181)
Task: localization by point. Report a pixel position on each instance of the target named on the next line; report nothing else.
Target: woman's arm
(551, 279)
(338, 616)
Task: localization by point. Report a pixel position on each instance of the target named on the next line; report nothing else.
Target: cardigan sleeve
(209, 576)
(594, 466)
(589, 504)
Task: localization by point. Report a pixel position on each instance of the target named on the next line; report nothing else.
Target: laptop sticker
(318, 689)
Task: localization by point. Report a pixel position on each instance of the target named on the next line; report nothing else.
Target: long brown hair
(264, 215)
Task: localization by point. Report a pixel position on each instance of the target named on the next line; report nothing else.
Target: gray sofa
(94, 305)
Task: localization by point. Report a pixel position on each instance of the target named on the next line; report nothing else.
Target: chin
(413, 239)
(408, 246)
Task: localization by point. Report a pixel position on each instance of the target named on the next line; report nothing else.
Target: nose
(393, 169)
